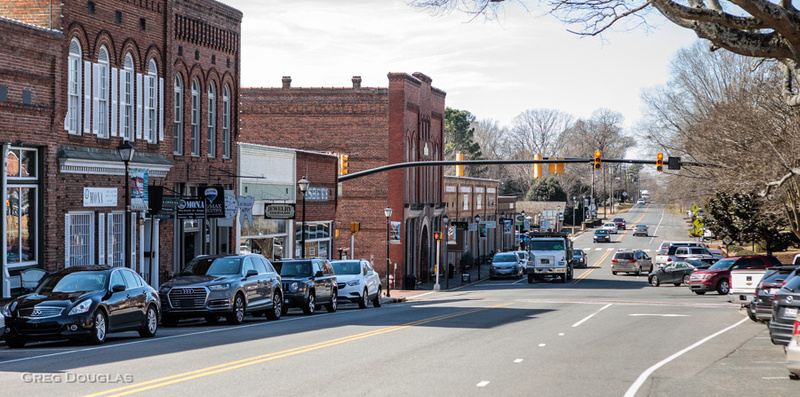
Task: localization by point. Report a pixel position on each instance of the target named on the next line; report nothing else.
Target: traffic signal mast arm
(384, 168)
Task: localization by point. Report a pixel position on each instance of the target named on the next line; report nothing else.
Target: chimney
(287, 81)
(356, 81)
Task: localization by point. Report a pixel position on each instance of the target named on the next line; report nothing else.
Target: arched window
(212, 120)
(74, 83)
(177, 132)
(226, 122)
(126, 99)
(195, 118)
(150, 95)
(101, 93)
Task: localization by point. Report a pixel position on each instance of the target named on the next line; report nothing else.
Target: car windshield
(546, 245)
(601, 231)
(505, 257)
(296, 269)
(205, 266)
(619, 220)
(72, 282)
(723, 264)
(578, 252)
(610, 224)
(349, 267)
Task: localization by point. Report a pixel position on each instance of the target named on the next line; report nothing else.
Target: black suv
(785, 305)
(308, 283)
(760, 308)
(229, 285)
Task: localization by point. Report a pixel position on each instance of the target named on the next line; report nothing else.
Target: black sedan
(677, 273)
(83, 302)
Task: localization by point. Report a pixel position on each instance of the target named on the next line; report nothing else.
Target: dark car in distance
(579, 258)
(308, 283)
(621, 224)
(760, 308)
(223, 285)
(601, 235)
(675, 273)
(83, 302)
(785, 306)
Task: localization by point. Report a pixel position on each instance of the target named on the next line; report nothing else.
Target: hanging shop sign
(279, 211)
(191, 208)
(214, 201)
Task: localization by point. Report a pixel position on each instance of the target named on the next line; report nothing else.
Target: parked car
(676, 273)
(579, 258)
(611, 227)
(785, 305)
(223, 285)
(601, 235)
(760, 307)
(793, 351)
(631, 261)
(717, 277)
(621, 224)
(506, 264)
(83, 302)
(681, 252)
(641, 201)
(308, 283)
(357, 282)
(640, 230)
(700, 264)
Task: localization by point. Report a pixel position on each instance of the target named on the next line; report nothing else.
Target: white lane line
(519, 281)
(591, 315)
(519, 360)
(560, 334)
(657, 315)
(542, 345)
(483, 384)
(655, 232)
(646, 374)
(774, 377)
(598, 249)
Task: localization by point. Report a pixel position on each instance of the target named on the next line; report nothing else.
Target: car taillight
(669, 259)
(796, 332)
(614, 260)
(632, 261)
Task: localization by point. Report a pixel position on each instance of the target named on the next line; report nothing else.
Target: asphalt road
(599, 335)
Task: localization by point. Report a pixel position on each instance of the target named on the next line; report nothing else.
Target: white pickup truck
(743, 284)
(676, 252)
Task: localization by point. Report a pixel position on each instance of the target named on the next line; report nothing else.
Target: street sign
(727, 240)
(698, 223)
(695, 208)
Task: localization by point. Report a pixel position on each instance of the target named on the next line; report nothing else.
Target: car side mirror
(118, 288)
(319, 273)
(251, 272)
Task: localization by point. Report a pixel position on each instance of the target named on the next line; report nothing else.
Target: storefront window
(21, 206)
(267, 237)
(317, 239)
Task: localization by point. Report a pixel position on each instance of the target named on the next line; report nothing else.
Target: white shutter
(110, 229)
(101, 240)
(114, 92)
(91, 239)
(87, 94)
(139, 107)
(160, 108)
(95, 97)
(146, 133)
(66, 240)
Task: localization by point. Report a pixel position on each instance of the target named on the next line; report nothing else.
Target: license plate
(545, 261)
(790, 312)
(773, 291)
(560, 270)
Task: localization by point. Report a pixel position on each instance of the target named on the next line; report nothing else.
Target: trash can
(410, 282)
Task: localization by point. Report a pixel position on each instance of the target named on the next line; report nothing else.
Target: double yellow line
(216, 369)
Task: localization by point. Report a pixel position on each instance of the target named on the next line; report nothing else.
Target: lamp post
(557, 221)
(478, 243)
(126, 151)
(303, 185)
(503, 230)
(388, 213)
(521, 247)
(446, 221)
(574, 205)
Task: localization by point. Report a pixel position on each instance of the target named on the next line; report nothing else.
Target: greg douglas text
(72, 377)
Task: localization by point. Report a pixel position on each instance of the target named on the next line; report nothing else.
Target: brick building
(466, 198)
(80, 79)
(373, 127)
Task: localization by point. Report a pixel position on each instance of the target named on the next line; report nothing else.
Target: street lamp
(126, 151)
(520, 231)
(557, 226)
(503, 230)
(478, 243)
(388, 213)
(574, 205)
(446, 221)
(303, 185)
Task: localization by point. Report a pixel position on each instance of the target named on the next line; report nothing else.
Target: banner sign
(451, 235)
(394, 233)
(138, 181)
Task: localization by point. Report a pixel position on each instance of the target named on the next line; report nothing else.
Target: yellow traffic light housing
(459, 168)
(597, 159)
(344, 163)
(437, 236)
(660, 162)
(537, 167)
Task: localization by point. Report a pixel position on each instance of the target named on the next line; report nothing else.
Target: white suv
(358, 282)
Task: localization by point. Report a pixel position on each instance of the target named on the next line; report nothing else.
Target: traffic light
(459, 168)
(555, 168)
(660, 162)
(437, 236)
(537, 167)
(355, 227)
(597, 159)
(343, 164)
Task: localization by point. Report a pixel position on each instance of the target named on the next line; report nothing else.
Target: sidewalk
(455, 283)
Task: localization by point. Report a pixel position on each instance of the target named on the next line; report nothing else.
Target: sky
(495, 69)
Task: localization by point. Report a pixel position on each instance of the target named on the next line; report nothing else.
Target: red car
(718, 276)
(620, 222)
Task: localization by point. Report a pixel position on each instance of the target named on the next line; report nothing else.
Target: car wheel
(169, 321)
(751, 312)
(311, 304)
(794, 376)
(99, 328)
(377, 302)
(723, 287)
(613, 272)
(530, 279)
(16, 342)
(686, 279)
(236, 317)
(654, 281)
(150, 323)
(331, 307)
(362, 303)
(700, 292)
(277, 307)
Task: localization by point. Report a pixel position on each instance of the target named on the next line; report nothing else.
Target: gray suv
(228, 285)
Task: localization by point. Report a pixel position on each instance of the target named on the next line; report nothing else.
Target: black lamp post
(478, 243)
(303, 185)
(388, 213)
(521, 229)
(446, 221)
(126, 151)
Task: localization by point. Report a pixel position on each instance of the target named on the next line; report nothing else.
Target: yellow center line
(602, 258)
(186, 376)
